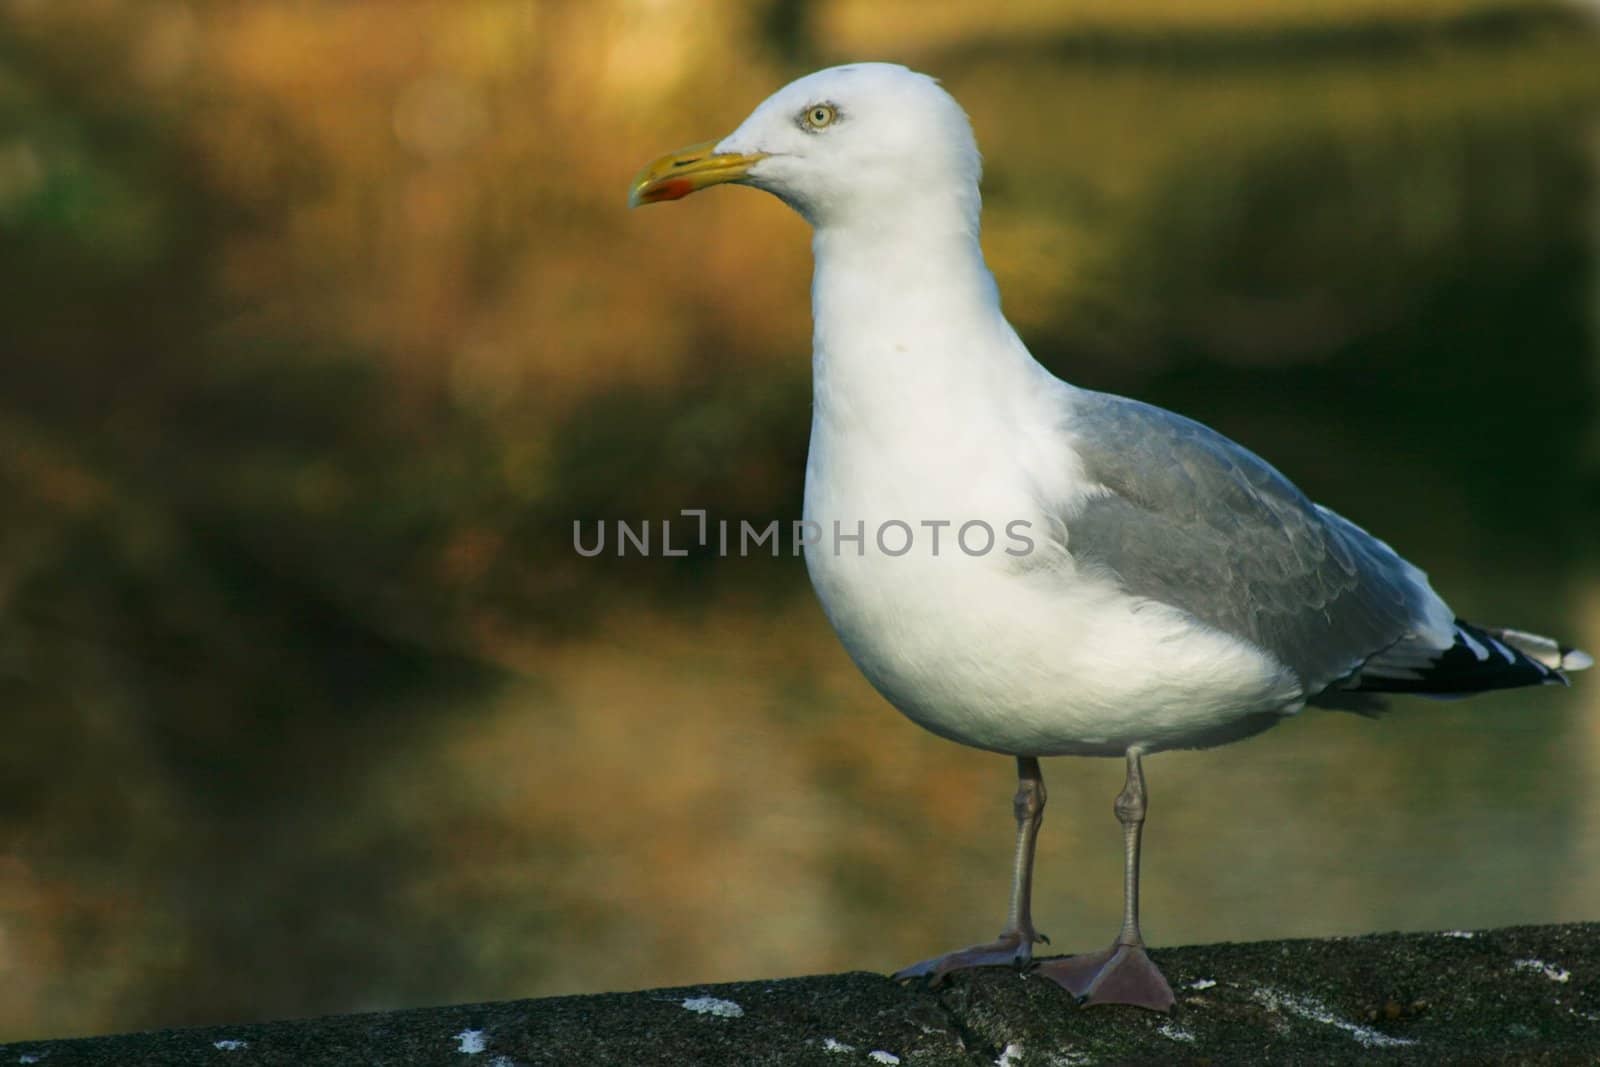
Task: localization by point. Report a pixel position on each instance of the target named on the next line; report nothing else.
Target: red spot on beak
(671, 189)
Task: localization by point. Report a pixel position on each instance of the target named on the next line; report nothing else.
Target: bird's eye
(819, 116)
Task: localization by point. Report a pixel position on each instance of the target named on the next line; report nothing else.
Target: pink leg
(1123, 973)
(1014, 947)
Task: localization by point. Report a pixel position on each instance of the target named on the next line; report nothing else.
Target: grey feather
(1195, 521)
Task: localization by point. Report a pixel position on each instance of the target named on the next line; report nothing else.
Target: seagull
(1036, 569)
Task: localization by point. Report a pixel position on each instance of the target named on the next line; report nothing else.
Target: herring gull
(1113, 579)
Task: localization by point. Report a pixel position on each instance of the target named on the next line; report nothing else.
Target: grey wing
(1191, 519)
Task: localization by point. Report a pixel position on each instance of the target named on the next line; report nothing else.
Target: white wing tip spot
(1472, 644)
(470, 1042)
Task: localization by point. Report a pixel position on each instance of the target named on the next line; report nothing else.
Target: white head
(869, 143)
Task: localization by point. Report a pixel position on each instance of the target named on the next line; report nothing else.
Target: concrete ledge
(1516, 996)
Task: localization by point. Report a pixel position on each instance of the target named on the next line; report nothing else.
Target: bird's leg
(1123, 973)
(1015, 944)
(1028, 807)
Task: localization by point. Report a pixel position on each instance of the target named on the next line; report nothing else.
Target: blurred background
(321, 323)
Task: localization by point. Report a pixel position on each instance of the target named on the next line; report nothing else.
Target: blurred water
(311, 707)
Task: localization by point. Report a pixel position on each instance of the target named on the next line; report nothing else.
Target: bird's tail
(1480, 659)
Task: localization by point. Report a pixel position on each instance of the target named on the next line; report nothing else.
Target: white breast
(1017, 655)
(928, 409)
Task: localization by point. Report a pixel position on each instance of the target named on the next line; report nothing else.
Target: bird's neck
(908, 333)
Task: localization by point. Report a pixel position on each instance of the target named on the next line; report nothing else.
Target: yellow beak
(677, 174)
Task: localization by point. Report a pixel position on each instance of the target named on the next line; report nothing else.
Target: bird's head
(867, 139)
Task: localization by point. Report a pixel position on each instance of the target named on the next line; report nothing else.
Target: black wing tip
(1481, 660)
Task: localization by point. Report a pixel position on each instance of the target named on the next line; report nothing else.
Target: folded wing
(1185, 517)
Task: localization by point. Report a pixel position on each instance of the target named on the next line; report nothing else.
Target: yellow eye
(821, 115)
